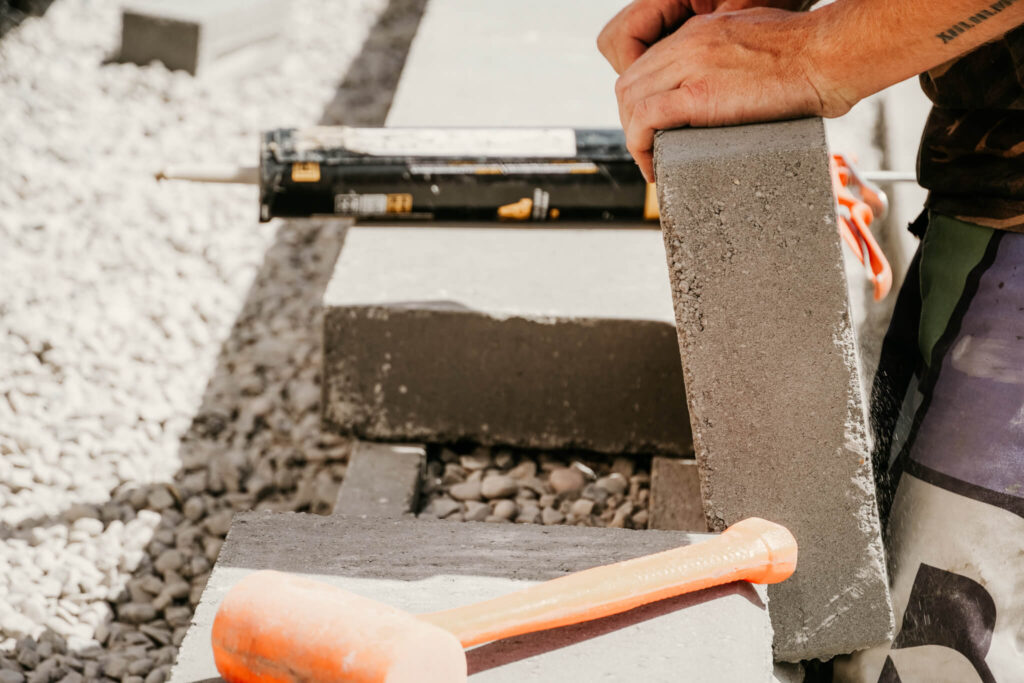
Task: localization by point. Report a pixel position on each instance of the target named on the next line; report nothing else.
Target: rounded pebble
(136, 612)
(443, 507)
(581, 507)
(567, 480)
(505, 509)
(615, 484)
(524, 470)
(552, 516)
(499, 486)
(529, 514)
(478, 460)
(467, 490)
(477, 511)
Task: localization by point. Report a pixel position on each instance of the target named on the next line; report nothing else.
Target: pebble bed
(159, 348)
(501, 486)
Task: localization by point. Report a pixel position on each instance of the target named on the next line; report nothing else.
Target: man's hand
(725, 68)
(641, 24)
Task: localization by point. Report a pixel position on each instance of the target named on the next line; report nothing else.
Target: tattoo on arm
(962, 26)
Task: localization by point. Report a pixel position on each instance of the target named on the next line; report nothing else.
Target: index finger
(638, 26)
(627, 52)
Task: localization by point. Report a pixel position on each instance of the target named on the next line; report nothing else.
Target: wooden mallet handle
(753, 550)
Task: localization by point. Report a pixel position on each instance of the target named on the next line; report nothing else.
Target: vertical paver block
(770, 364)
(382, 480)
(675, 495)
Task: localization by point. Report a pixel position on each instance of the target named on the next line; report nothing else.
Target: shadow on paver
(510, 650)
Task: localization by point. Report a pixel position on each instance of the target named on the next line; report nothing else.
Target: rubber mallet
(280, 627)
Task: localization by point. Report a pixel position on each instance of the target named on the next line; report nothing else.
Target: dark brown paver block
(719, 634)
(675, 495)
(382, 480)
(770, 363)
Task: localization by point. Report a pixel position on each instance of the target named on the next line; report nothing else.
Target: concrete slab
(523, 63)
(200, 35)
(381, 480)
(550, 338)
(770, 362)
(718, 634)
(675, 495)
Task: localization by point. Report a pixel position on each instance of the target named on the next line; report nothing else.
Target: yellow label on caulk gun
(651, 210)
(398, 203)
(306, 172)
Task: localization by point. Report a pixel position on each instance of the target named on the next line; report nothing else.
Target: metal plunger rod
(246, 175)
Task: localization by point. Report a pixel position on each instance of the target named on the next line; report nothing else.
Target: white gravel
(116, 292)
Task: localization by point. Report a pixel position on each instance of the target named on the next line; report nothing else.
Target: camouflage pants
(948, 413)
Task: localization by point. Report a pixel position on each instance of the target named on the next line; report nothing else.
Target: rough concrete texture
(382, 480)
(770, 363)
(523, 63)
(196, 35)
(720, 634)
(549, 338)
(675, 495)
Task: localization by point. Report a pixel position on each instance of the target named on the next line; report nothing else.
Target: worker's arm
(762, 64)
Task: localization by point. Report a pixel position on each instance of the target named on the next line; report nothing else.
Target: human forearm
(864, 46)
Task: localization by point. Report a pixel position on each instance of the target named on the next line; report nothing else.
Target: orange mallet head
(277, 627)
(273, 627)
